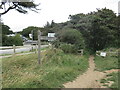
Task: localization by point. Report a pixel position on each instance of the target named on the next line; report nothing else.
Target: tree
(103, 30)
(17, 40)
(118, 32)
(28, 30)
(9, 41)
(51, 28)
(18, 5)
(6, 30)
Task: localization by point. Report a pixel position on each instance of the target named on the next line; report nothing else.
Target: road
(18, 50)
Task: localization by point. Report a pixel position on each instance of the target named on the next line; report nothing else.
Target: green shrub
(56, 43)
(9, 41)
(17, 40)
(68, 48)
(71, 36)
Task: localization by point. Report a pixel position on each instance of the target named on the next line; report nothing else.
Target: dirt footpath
(90, 79)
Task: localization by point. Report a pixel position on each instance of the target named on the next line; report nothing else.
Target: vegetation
(57, 67)
(106, 63)
(29, 30)
(71, 36)
(93, 31)
(6, 30)
(114, 77)
(12, 40)
(68, 48)
(9, 41)
(99, 30)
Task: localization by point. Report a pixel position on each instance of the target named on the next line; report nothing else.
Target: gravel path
(90, 79)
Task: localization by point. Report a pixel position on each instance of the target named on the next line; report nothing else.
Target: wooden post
(36, 48)
(32, 40)
(14, 49)
(39, 46)
(81, 51)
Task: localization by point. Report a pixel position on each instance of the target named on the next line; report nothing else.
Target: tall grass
(106, 63)
(56, 69)
(112, 77)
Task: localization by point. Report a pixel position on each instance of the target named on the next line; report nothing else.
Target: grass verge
(106, 63)
(56, 69)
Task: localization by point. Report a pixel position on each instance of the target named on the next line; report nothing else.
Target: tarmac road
(18, 50)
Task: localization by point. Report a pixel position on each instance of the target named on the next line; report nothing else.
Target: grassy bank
(106, 63)
(114, 77)
(56, 69)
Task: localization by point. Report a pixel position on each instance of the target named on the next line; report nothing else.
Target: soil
(89, 79)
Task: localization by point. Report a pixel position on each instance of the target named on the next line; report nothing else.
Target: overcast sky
(57, 10)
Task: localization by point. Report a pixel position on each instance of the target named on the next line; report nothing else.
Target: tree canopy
(19, 5)
(6, 30)
(99, 29)
(29, 30)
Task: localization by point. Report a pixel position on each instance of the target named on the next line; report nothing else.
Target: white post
(39, 46)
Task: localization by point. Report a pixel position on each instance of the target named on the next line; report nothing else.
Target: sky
(57, 10)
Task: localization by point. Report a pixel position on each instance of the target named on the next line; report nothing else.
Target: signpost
(39, 46)
(51, 35)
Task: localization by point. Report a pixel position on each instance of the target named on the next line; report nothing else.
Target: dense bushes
(69, 40)
(71, 36)
(9, 41)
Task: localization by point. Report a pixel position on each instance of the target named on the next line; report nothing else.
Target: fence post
(39, 46)
(32, 40)
(14, 49)
(36, 48)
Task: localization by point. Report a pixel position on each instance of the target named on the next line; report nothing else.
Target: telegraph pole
(39, 46)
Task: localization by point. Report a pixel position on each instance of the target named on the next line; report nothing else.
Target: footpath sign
(103, 54)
